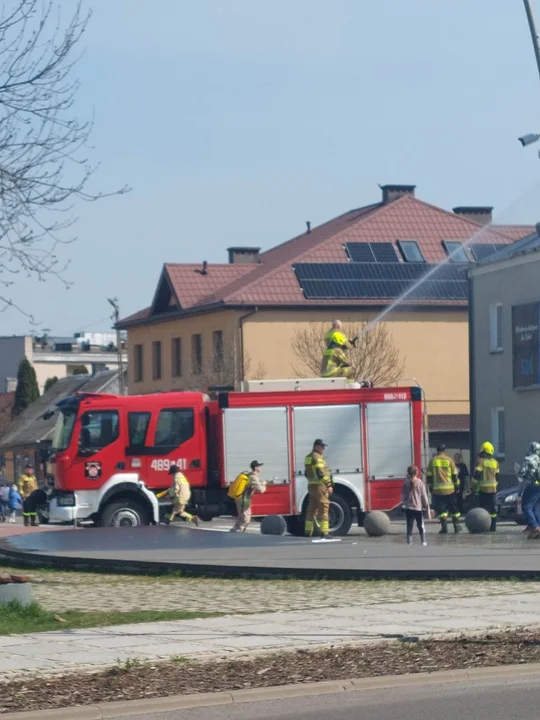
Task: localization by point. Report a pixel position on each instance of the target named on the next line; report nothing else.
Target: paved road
(483, 700)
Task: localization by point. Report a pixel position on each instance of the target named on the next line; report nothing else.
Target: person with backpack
(485, 482)
(241, 491)
(529, 472)
(415, 500)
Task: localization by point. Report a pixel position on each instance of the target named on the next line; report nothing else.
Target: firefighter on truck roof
(443, 482)
(335, 362)
(485, 482)
(320, 487)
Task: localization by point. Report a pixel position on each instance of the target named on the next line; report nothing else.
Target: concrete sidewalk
(240, 635)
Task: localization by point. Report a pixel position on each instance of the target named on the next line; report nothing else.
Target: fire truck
(112, 454)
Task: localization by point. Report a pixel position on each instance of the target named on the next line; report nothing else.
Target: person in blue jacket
(14, 502)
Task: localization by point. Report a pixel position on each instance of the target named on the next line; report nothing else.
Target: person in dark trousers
(443, 482)
(463, 476)
(415, 500)
(30, 506)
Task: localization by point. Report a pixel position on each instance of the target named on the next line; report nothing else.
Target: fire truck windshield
(64, 428)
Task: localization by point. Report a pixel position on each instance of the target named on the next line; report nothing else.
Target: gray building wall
(11, 353)
(509, 282)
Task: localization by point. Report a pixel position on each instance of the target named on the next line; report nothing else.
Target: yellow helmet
(488, 448)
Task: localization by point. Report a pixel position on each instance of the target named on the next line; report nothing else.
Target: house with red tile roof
(237, 320)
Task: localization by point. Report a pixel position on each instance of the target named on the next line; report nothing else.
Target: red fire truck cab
(112, 454)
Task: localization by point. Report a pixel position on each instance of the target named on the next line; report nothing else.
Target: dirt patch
(135, 680)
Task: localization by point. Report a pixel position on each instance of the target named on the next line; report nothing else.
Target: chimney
(11, 384)
(244, 255)
(393, 192)
(308, 226)
(478, 214)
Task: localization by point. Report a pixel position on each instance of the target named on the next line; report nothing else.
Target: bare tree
(224, 369)
(43, 168)
(374, 358)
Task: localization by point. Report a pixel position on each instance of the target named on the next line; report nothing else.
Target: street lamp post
(532, 137)
(534, 34)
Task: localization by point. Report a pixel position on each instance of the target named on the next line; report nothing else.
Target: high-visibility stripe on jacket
(442, 475)
(316, 470)
(333, 360)
(485, 474)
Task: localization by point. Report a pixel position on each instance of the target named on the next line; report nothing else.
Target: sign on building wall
(526, 338)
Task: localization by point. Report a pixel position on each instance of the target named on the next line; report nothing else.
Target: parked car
(509, 504)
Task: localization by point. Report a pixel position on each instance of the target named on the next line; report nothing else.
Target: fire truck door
(174, 438)
(260, 433)
(99, 448)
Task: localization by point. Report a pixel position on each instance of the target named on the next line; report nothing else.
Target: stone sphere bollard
(377, 523)
(477, 520)
(273, 525)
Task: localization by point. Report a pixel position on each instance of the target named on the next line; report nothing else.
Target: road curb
(33, 559)
(108, 711)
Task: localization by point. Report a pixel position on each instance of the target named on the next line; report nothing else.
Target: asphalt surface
(202, 551)
(495, 699)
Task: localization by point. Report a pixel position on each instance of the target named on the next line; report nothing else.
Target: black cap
(174, 469)
(441, 448)
(318, 441)
(255, 463)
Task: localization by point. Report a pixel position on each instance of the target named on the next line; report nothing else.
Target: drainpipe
(472, 385)
(241, 330)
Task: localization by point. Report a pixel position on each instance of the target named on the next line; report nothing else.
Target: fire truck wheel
(340, 516)
(124, 513)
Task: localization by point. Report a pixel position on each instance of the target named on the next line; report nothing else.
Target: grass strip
(16, 618)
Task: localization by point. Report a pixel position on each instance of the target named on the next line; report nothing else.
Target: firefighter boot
(34, 521)
(444, 527)
(26, 521)
(457, 526)
(493, 527)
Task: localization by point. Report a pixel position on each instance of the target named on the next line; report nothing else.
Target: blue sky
(235, 121)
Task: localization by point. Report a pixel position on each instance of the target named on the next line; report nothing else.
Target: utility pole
(534, 34)
(116, 317)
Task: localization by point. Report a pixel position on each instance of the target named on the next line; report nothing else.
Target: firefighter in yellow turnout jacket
(443, 482)
(485, 482)
(320, 486)
(335, 362)
(181, 494)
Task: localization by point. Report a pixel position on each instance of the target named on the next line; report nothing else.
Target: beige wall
(434, 346)
(164, 332)
(44, 371)
(511, 283)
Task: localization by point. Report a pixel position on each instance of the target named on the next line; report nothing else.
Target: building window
(138, 363)
(156, 360)
(455, 251)
(217, 350)
(176, 357)
(497, 430)
(410, 251)
(495, 328)
(196, 354)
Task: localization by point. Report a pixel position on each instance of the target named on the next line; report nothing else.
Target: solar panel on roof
(382, 281)
(360, 252)
(384, 252)
(481, 251)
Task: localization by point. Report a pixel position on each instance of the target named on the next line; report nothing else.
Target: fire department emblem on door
(92, 470)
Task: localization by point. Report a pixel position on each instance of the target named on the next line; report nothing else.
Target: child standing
(14, 502)
(415, 499)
